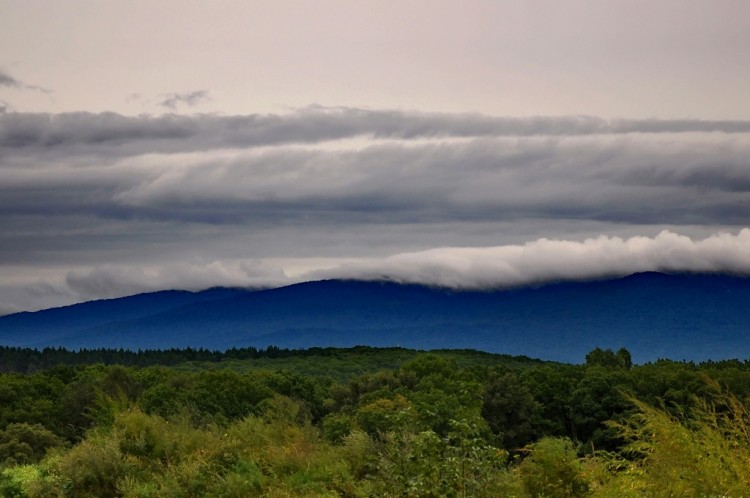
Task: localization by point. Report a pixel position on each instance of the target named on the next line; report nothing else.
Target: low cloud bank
(546, 260)
(473, 268)
(116, 281)
(533, 263)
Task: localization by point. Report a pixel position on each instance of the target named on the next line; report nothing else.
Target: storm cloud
(119, 204)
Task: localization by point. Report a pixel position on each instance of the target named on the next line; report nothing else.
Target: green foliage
(460, 464)
(553, 470)
(385, 415)
(92, 468)
(596, 398)
(16, 482)
(165, 399)
(26, 443)
(552, 387)
(704, 454)
(31, 399)
(609, 359)
(76, 402)
(405, 424)
(510, 410)
(227, 395)
(211, 396)
(337, 426)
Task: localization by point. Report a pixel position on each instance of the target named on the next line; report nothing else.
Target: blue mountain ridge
(654, 315)
(50, 326)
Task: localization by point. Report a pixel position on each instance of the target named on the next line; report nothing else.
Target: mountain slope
(654, 315)
(49, 327)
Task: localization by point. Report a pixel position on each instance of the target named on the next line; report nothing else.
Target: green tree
(609, 359)
(510, 410)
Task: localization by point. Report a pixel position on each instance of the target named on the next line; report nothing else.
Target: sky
(161, 144)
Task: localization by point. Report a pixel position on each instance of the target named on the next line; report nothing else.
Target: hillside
(694, 317)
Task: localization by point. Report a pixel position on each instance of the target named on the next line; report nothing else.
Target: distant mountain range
(693, 317)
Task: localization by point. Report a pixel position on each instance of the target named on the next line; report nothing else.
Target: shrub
(15, 482)
(92, 468)
(553, 469)
(26, 443)
(704, 454)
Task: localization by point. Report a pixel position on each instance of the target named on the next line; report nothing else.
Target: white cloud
(547, 260)
(535, 262)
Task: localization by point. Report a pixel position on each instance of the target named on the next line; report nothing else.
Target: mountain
(693, 317)
(50, 327)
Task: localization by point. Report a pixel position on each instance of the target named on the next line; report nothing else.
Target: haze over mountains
(654, 315)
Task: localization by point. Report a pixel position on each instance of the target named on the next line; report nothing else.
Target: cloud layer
(547, 260)
(124, 204)
(261, 170)
(107, 133)
(532, 263)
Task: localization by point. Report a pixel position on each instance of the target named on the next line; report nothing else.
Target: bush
(15, 482)
(26, 443)
(92, 468)
(336, 426)
(553, 469)
(704, 454)
(458, 464)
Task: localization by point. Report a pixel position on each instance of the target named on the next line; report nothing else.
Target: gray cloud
(9, 81)
(189, 99)
(111, 195)
(110, 133)
(703, 180)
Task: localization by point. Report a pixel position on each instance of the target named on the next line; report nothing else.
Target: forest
(364, 421)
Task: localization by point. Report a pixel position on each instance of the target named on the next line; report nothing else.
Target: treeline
(30, 360)
(431, 426)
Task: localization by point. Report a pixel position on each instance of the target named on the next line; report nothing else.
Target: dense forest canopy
(368, 422)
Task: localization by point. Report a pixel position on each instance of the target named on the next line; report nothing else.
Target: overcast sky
(177, 144)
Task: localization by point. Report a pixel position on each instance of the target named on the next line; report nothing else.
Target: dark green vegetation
(336, 362)
(369, 422)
